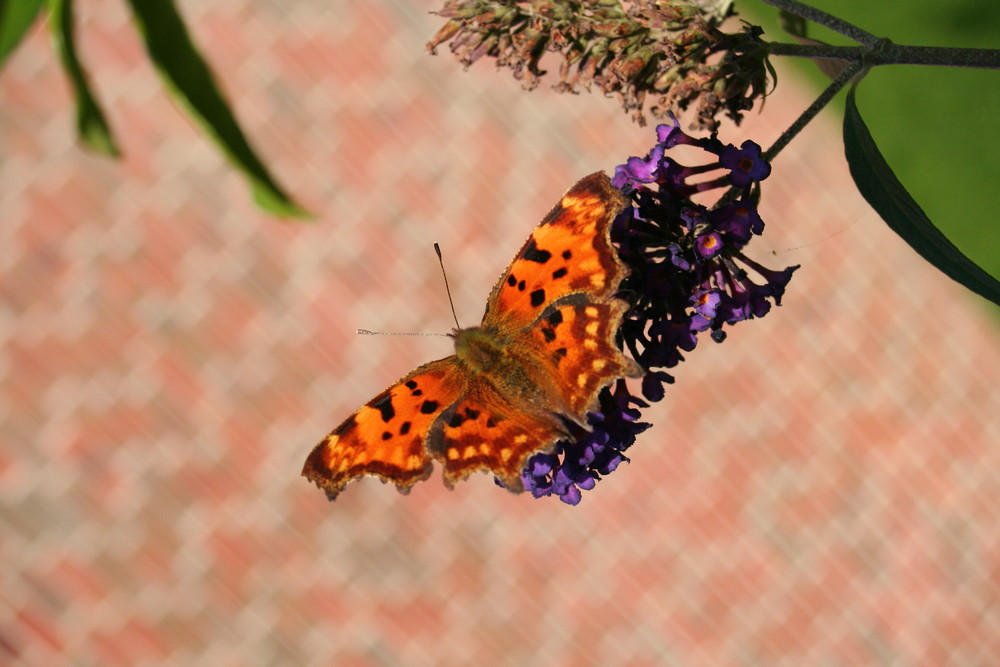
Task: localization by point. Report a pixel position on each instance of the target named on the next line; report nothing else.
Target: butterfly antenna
(367, 332)
(822, 240)
(447, 289)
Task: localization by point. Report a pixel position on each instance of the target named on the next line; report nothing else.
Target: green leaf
(889, 198)
(90, 123)
(191, 82)
(16, 16)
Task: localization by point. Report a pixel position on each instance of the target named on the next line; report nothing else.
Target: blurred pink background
(823, 488)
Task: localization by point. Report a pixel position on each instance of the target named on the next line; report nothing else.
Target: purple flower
(687, 275)
(577, 464)
(745, 164)
(638, 170)
(738, 222)
(677, 257)
(668, 136)
(708, 244)
(706, 302)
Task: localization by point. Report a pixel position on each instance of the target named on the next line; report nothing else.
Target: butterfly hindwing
(385, 437)
(483, 431)
(576, 340)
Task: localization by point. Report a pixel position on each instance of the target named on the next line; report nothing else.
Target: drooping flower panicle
(670, 53)
(688, 275)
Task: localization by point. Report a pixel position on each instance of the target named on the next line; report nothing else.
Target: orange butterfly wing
(554, 316)
(556, 301)
(386, 436)
(485, 431)
(569, 252)
(577, 343)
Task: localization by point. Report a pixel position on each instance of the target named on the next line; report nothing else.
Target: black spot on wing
(459, 418)
(554, 318)
(348, 424)
(548, 334)
(386, 435)
(559, 273)
(520, 286)
(405, 428)
(511, 280)
(414, 388)
(567, 254)
(429, 407)
(384, 405)
(532, 253)
(538, 297)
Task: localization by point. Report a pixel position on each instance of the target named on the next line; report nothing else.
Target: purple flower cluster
(577, 464)
(687, 275)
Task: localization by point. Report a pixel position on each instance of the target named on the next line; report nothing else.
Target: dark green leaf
(16, 16)
(191, 82)
(904, 216)
(90, 123)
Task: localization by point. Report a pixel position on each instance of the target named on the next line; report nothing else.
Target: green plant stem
(845, 76)
(888, 53)
(826, 20)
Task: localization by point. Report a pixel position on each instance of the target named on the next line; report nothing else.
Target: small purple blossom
(745, 164)
(687, 275)
(706, 302)
(668, 136)
(677, 257)
(737, 222)
(641, 170)
(708, 245)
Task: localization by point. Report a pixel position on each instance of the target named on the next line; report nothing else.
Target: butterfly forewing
(568, 253)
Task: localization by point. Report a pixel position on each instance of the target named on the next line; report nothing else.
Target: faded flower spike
(687, 275)
(668, 53)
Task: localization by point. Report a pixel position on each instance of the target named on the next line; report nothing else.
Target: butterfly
(537, 362)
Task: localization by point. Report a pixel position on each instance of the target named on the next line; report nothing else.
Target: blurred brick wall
(821, 489)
